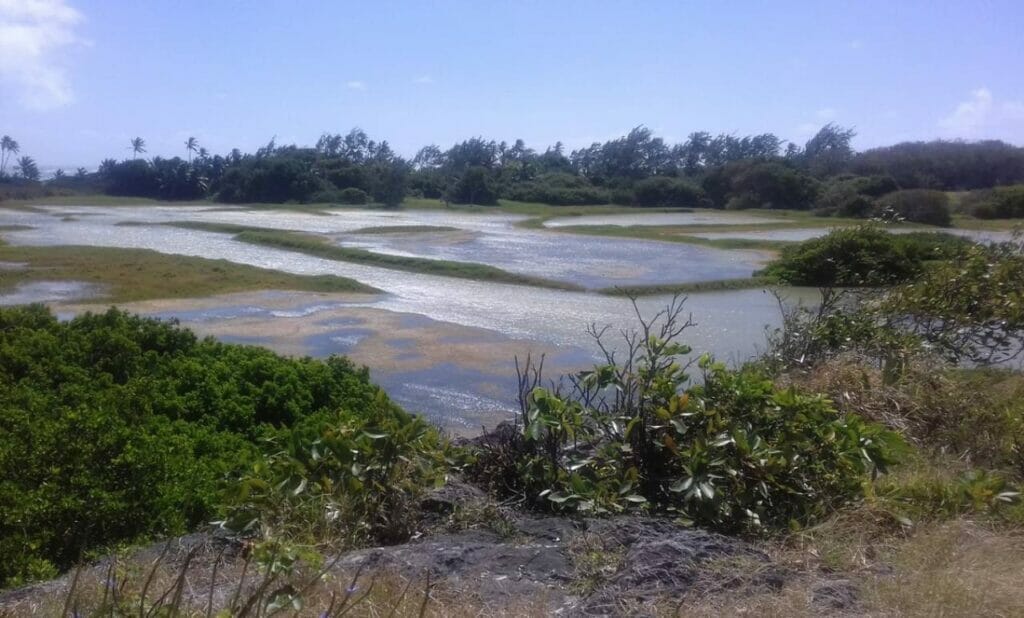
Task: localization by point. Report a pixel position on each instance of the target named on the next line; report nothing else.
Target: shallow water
(493, 239)
(730, 324)
(47, 291)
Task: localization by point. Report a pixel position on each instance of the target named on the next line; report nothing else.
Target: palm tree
(28, 168)
(8, 147)
(191, 145)
(138, 146)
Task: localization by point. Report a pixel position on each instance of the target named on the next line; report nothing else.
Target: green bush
(664, 191)
(847, 257)
(350, 196)
(344, 478)
(853, 196)
(559, 189)
(916, 206)
(115, 427)
(734, 453)
(1001, 203)
(971, 307)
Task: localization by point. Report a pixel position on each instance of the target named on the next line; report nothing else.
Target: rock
(454, 494)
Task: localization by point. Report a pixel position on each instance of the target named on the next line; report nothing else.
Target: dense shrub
(848, 257)
(473, 187)
(733, 453)
(343, 478)
(853, 196)
(114, 427)
(1000, 203)
(971, 307)
(667, 191)
(559, 189)
(270, 179)
(760, 184)
(916, 206)
(349, 196)
(945, 165)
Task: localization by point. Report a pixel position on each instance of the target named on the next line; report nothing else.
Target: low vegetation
(123, 275)
(135, 426)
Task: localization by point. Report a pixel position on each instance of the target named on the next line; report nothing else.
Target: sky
(80, 78)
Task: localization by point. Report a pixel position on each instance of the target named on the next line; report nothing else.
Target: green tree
(191, 146)
(138, 146)
(27, 168)
(8, 147)
(829, 151)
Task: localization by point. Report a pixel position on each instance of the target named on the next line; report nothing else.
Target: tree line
(637, 169)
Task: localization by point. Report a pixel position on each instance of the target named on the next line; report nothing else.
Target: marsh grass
(404, 229)
(686, 288)
(125, 275)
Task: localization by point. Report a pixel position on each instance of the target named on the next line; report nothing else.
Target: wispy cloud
(423, 79)
(983, 115)
(825, 113)
(32, 35)
(856, 44)
(356, 85)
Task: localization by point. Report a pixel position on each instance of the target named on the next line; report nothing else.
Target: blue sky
(79, 78)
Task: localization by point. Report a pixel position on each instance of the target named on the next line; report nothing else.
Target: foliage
(473, 187)
(945, 165)
(848, 257)
(1000, 203)
(133, 424)
(970, 308)
(344, 477)
(560, 189)
(732, 453)
(760, 184)
(916, 206)
(853, 196)
(665, 191)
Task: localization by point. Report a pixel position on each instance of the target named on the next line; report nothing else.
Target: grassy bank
(404, 229)
(138, 274)
(688, 288)
(321, 247)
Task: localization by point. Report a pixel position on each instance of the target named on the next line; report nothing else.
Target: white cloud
(423, 79)
(856, 44)
(32, 35)
(356, 85)
(982, 115)
(826, 113)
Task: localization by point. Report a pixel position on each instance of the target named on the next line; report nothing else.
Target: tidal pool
(588, 261)
(413, 333)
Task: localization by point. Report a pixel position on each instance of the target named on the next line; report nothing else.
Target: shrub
(971, 307)
(917, 206)
(1000, 203)
(344, 478)
(559, 189)
(848, 257)
(733, 453)
(350, 195)
(473, 187)
(665, 191)
(853, 196)
(760, 184)
(114, 427)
